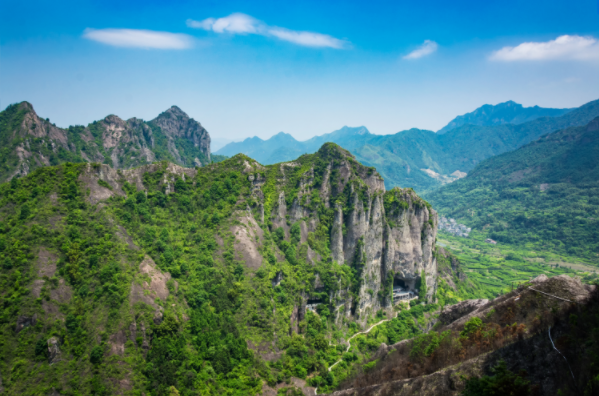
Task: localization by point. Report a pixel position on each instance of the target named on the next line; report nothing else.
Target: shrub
(25, 212)
(471, 327)
(41, 348)
(97, 354)
(504, 382)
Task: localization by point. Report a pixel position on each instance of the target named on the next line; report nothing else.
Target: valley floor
(498, 268)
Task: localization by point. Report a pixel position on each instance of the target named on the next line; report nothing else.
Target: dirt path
(349, 344)
(357, 334)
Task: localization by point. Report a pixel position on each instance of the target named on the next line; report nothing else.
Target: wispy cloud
(427, 48)
(235, 23)
(133, 38)
(239, 23)
(307, 39)
(562, 48)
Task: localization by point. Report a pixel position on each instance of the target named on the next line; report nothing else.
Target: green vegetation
(195, 338)
(502, 382)
(497, 269)
(541, 197)
(89, 267)
(218, 158)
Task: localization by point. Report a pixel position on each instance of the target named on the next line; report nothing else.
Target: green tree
(503, 382)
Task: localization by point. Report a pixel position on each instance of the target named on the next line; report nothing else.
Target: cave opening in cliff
(403, 289)
(312, 303)
(399, 283)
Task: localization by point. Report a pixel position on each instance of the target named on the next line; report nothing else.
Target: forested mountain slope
(545, 194)
(508, 112)
(416, 158)
(28, 141)
(162, 279)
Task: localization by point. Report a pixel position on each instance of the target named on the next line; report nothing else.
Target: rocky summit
(29, 141)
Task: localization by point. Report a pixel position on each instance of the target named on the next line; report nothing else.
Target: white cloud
(206, 24)
(427, 48)
(239, 23)
(139, 38)
(563, 48)
(307, 39)
(236, 23)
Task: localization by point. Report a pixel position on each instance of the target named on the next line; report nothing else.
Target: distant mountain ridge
(421, 159)
(545, 193)
(284, 147)
(29, 142)
(218, 143)
(508, 112)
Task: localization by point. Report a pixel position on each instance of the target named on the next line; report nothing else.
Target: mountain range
(29, 142)
(544, 194)
(421, 159)
(123, 273)
(508, 112)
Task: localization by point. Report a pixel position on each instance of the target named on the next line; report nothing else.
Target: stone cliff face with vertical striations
(387, 237)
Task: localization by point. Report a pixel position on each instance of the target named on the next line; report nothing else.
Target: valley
(500, 268)
(542, 196)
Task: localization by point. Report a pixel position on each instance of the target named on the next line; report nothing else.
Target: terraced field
(498, 268)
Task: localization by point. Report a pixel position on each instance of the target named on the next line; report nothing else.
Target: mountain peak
(361, 130)
(26, 105)
(508, 112)
(174, 111)
(331, 149)
(283, 135)
(505, 105)
(112, 119)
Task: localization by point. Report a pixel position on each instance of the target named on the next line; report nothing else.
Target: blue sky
(302, 67)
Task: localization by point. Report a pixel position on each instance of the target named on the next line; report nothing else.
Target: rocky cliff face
(33, 142)
(176, 125)
(386, 236)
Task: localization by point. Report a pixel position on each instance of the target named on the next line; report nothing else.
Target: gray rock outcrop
(122, 144)
(176, 124)
(387, 236)
(54, 353)
(25, 321)
(454, 312)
